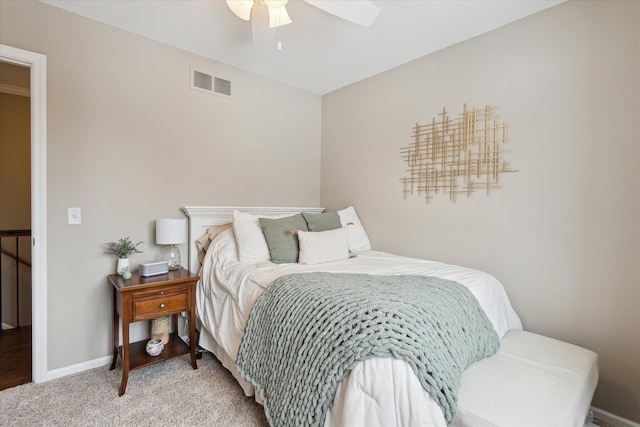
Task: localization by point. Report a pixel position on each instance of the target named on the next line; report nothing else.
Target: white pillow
(203, 242)
(252, 247)
(358, 239)
(224, 245)
(323, 246)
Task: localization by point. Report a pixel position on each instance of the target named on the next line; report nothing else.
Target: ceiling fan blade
(360, 12)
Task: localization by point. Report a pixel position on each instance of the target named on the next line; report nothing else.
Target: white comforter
(378, 392)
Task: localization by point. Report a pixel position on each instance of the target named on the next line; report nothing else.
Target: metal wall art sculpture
(457, 155)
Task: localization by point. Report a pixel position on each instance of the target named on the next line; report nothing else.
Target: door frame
(38, 67)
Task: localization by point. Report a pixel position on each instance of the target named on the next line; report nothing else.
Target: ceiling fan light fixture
(242, 8)
(278, 15)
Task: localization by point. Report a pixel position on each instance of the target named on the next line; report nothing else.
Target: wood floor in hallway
(15, 354)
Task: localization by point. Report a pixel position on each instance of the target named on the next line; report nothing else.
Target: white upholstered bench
(498, 391)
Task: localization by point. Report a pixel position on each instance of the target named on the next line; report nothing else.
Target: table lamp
(171, 232)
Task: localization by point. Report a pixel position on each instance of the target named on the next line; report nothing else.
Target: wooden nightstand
(146, 298)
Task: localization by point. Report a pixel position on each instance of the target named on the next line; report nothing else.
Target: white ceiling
(320, 52)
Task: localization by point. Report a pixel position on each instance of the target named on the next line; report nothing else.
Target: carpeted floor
(168, 394)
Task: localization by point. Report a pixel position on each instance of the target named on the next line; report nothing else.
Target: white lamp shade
(170, 231)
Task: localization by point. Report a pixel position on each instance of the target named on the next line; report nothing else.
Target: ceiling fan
(360, 12)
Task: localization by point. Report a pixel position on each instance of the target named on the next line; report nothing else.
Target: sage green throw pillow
(322, 222)
(282, 238)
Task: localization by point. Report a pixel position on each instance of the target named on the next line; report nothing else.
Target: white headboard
(203, 217)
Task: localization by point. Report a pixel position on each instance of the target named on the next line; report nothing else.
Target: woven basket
(160, 329)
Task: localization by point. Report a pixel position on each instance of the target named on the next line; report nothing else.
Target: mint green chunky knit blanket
(307, 331)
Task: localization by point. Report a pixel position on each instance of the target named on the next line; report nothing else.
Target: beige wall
(129, 142)
(563, 235)
(15, 191)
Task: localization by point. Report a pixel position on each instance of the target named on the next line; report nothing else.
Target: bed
(530, 380)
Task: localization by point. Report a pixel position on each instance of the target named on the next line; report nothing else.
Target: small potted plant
(123, 249)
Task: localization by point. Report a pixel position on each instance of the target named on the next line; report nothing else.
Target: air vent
(209, 83)
(222, 86)
(202, 81)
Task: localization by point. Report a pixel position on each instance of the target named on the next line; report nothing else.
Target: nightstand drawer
(151, 304)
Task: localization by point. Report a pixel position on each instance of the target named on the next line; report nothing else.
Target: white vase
(123, 263)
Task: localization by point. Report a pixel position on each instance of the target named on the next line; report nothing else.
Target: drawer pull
(161, 305)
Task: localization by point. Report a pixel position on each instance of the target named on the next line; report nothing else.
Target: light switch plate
(75, 216)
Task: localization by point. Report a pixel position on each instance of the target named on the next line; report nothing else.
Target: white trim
(15, 90)
(79, 367)
(38, 65)
(612, 418)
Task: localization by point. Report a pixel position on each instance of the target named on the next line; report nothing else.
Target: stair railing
(16, 260)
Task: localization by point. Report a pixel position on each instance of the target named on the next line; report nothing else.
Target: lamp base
(171, 254)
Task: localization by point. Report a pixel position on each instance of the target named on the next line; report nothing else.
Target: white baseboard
(90, 364)
(74, 369)
(613, 419)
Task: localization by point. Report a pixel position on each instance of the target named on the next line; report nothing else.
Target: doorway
(36, 63)
(15, 225)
